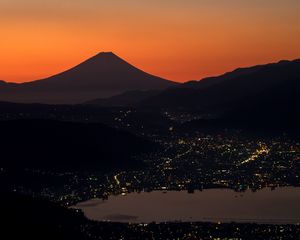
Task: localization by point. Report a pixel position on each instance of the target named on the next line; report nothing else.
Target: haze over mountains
(103, 75)
(130, 98)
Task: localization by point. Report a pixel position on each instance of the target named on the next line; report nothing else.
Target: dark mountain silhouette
(130, 98)
(23, 217)
(228, 90)
(144, 120)
(101, 76)
(55, 145)
(277, 107)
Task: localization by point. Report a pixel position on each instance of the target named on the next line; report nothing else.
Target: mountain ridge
(227, 88)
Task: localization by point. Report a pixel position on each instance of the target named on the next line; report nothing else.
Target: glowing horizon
(171, 39)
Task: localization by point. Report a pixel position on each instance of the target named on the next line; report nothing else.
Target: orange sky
(175, 39)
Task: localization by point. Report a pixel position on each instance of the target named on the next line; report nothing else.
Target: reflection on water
(278, 206)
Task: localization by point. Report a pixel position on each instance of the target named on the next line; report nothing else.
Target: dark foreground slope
(26, 218)
(43, 144)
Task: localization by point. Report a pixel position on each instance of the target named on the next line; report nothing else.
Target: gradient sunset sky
(177, 39)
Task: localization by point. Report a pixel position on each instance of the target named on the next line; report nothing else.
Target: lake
(280, 206)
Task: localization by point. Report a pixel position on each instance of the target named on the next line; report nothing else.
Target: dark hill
(277, 107)
(130, 98)
(229, 89)
(101, 76)
(54, 145)
(23, 217)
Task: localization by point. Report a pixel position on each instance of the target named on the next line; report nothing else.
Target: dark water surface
(264, 206)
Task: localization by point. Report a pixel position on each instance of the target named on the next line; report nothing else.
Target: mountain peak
(106, 54)
(105, 58)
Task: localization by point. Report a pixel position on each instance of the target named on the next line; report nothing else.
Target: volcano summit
(103, 75)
